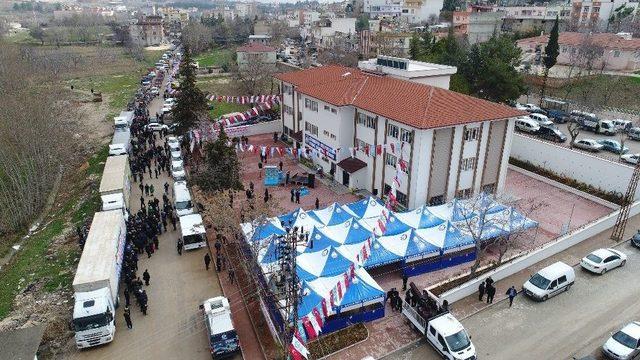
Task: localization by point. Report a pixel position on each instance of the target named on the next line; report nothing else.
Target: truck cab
(223, 339)
(93, 318)
(447, 335)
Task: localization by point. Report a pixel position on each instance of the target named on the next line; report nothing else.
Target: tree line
(486, 70)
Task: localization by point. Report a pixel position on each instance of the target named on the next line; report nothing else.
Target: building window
(334, 111)
(287, 109)
(366, 120)
(310, 128)
(392, 131)
(311, 105)
(361, 144)
(390, 160)
(402, 198)
(471, 134)
(287, 89)
(463, 194)
(468, 164)
(406, 136)
(436, 200)
(489, 188)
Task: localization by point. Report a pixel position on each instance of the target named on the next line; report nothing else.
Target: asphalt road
(575, 323)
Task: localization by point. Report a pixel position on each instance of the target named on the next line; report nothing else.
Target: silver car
(588, 144)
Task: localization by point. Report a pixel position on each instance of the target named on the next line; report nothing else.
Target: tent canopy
(327, 262)
(366, 208)
(331, 215)
(319, 241)
(419, 218)
(349, 232)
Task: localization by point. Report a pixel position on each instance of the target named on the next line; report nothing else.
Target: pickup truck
(442, 330)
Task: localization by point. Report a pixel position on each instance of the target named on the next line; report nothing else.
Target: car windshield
(90, 322)
(624, 339)
(177, 167)
(539, 281)
(458, 341)
(594, 258)
(182, 205)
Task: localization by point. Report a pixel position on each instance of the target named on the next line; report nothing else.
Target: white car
(154, 126)
(542, 120)
(527, 124)
(166, 109)
(603, 260)
(630, 158)
(624, 344)
(588, 144)
(174, 143)
(154, 90)
(169, 102)
(176, 156)
(177, 171)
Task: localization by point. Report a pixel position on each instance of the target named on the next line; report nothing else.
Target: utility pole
(627, 200)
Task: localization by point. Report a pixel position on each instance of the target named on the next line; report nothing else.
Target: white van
(447, 335)
(182, 198)
(542, 120)
(176, 156)
(527, 124)
(550, 281)
(177, 170)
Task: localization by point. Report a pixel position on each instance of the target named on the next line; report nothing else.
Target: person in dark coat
(280, 165)
(207, 261)
(317, 203)
(405, 278)
(511, 293)
(293, 195)
(217, 246)
(481, 291)
(218, 263)
(491, 292)
(298, 196)
(127, 317)
(146, 277)
(143, 302)
(179, 247)
(127, 297)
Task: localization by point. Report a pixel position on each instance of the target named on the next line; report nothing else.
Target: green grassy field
(216, 57)
(225, 108)
(602, 90)
(151, 57)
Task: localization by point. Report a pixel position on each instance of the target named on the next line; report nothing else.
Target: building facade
(373, 131)
(529, 18)
(617, 52)
(586, 12)
(255, 53)
(147, 31)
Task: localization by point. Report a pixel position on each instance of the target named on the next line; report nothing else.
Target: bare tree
(197, 37)
(255, 74)
(573, 127)
(278, 31)
(341, 52)
(390, 44)
(492, 223)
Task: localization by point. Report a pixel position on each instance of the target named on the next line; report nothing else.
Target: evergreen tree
(191, 104)
(414, 47)
(221, 170)
(551, 52)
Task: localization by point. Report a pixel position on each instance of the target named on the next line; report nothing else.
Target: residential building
(147, 31)
(373, 131)
(255, 53)
(528, 18)
(259, 39)
(307, 17)
(246, 9)
(419, 11)
(618, 52)
(383, 8)
(391, 43)
(588, 12)
(324, 31)
(477, 24)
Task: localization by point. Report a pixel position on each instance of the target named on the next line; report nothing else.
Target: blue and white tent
(408, 246)
(362, 291)
(419, 218)
(309, 299)
(289, 218)
(331, 215)
(327, 262)
(380, 255)
(446, 237)
(262, 231)
(348, 232)
(370, 207)
(318, 241)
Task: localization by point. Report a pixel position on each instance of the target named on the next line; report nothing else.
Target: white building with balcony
(376, 129)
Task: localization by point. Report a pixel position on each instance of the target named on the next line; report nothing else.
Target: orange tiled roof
(606, 40)
(418, 105)
(255, 47)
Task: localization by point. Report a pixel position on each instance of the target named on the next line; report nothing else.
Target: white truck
(223, 339)
(97, 278)
(443, 331)
(115, 185)
(194, 235)
(121, 143)
(123, 121)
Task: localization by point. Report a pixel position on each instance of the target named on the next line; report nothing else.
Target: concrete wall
(592, 170)
(560, 244)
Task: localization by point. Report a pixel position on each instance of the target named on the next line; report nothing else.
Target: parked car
(602, 260)
(630, 158)
(154, 91)
(624, 344)
(542, 120)
(588, 144)
(156, 126)
(527, 124)
(550, 281)
(613, 146)
(634, 133)
(635, 239)
(622, 125)
(552, 133)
